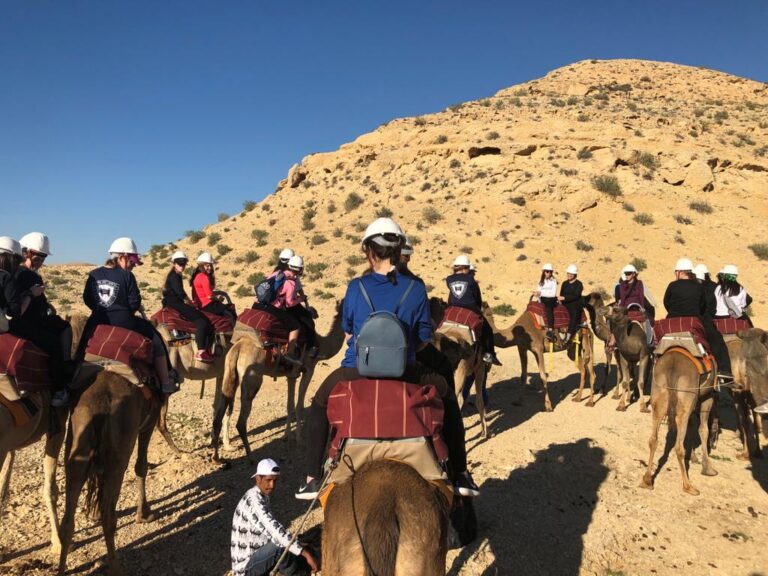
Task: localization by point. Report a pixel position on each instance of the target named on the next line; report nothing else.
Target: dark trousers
(717, 344)
(575, 310)
(50, 335)
(203, 326)
(549, 309)
(304, 317)
(318, 428)
(216, 307)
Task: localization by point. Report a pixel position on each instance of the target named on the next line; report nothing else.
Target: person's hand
(189, 302)
(51, 309)
(561, 298)
(37, 290)
(310, 560)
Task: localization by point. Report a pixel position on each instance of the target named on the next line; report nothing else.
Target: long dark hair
(199, 270)
(9, 262)
(729, 287)
(379, 252)
(541, 278)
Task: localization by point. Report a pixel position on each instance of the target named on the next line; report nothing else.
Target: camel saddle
(118, 350)
(173, 320)
(637, 315)
(729, 326)
(266, 327)
(23, 367)
(683, 332)
(562, 317)
(464, 319)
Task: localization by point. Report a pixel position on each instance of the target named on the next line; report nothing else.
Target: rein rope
(350, 465)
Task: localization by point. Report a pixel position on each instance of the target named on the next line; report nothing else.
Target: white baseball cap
(267, 467)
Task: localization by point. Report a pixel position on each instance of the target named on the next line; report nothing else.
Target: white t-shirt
(548, 288)
(739, 302)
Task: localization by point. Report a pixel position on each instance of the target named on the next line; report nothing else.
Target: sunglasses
(37, 255)
(181, 262)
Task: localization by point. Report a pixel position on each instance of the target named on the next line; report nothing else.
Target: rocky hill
(598, 163)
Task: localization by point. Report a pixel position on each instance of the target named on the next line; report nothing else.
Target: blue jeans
(264, 559)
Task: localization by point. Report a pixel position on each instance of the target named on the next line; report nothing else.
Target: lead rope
(276, 570)
(349, 464)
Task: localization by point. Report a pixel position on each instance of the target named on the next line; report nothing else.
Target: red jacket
(202, 291)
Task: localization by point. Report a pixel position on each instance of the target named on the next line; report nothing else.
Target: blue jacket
(413, 312)
(112, 295)
(464, 292)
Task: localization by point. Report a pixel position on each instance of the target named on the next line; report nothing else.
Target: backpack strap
(402, 298)
(365, 295)
(405, 295)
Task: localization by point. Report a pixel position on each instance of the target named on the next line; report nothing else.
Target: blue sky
(193, 107)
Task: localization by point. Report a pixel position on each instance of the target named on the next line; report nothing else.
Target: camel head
(754, 350)
(595, 299)
(617, 314)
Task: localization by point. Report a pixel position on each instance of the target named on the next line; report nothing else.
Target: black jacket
(572, 292)
(464, 292)
(23, 282)
(709, 297)
(112, 292)
(173, 290)
(685, 298)
(10, 299)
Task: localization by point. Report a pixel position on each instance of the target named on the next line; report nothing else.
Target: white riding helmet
(285, 255)
(462, 261)
(572, 269)
(546, 267)
(684, 265)
(178, 255)
(472, 268)
(379, 229)
(700, 271)
(36, 241)
(10, 246)
(407, 247)
(205, 258)
(629, 269)
(296, 263)
(730, 269)
(123, 245)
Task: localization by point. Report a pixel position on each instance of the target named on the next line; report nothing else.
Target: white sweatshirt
(548, 288)
(739, 302)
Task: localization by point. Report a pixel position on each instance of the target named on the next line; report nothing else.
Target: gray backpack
(382, 345)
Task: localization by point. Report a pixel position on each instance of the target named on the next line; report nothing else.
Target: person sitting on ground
(258, 538)
(385, 286)
(175, 297)
(36, 320)
(282, 260)
(685, 297)
(571, 297)
(731, 297)
(464, 292)
(203, 284)
(113, 297)
(10, 259)
(546, 291)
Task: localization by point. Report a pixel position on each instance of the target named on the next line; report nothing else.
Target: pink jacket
(289, 295)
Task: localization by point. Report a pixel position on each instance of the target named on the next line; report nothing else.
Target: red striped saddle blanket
(269, 327)
(24, 363)
(731, 325)
(465, 317)
(690, 324)
(121, 345)
(562, 317)
(175, 321)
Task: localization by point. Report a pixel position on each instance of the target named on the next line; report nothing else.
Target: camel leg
(162, 426)
(619, 377)
(608, 358)
(742, 419)
(582, 378)
(624, 385)
(303, 387)
(543, 374)
(682, 416)
(481, 373)
(523, 352)
(6, 467)
(76, 466)
(143, 511)
(249, 387)
(590, 365)
(706, 465)
(660, 405)
(50, 489)
(642, 372)
(291, 406)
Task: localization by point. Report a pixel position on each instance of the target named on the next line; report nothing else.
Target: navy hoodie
(112, 293)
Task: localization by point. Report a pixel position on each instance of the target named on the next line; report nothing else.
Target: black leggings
(53, 335)
(304, 317)
(216, 307)
(575, 310)
(549, 309)
(717, 344)
(203, 326)
(318, 428)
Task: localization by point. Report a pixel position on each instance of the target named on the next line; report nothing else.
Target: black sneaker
(551, 336)
(465, 486)
(293, 358)
(308, 490)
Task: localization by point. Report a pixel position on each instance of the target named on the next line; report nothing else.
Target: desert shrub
(330, 284)
(222, 216)
(441, 139)
(518, 200)
(256, 278)
(194, 236)
(431, 215)
(639, 263)
(701, 207)
(355, 260)
(583, 246)
(315, 270)
(426, 186)
(643, 218)
(557, 102)
(213, 238)
(408, 198)
(244, 291)
(720, 115)
(331, 208)
(318, 239)
(250, 257)
(307, 219)
(584, 154)
(680, 219)
(275, 258)
(572, 100)
(384, 212)
(583, 117)
(353, 201)
(627, 206)
(419, 121)
(493, 135)
(521, 257)
(466, 249)
(223, 249)
(648, 160)
(760, 250)
(249, 205)
(607, 185)
(455, 163)
(337, 232)
(260, 236)
(520, 244)
(504, 310)
(324, 295)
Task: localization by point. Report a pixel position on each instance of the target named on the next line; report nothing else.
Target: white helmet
(572, 269)
(684, 265)
(546, 267)
(629, 269)
(205, 258)
(700, 271)
(285, 255)
(407, 247)
(9, 245)
(123, 245)
(462, 261)
(730, 269)
(296, 263)
(36, 241)
(472, 268)
(178, 255)
(379, 229)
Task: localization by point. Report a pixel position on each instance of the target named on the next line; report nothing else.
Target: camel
(678, 389)
(749, 361)
(46, 422)
(386, 520)
(246, 365)
(105, 423)
(602, 330)
(465, 356)
(632, 351)
(530, 338)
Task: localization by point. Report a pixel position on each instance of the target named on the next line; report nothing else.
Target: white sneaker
(762, 408)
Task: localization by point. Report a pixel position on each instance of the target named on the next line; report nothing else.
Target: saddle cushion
(562, 317)
(121, 345)
(385, 409)
(268, 326)
(465, 317)
(636, 315)
(682, 324)
(731, 325)
(24, 362)
(174, 321)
